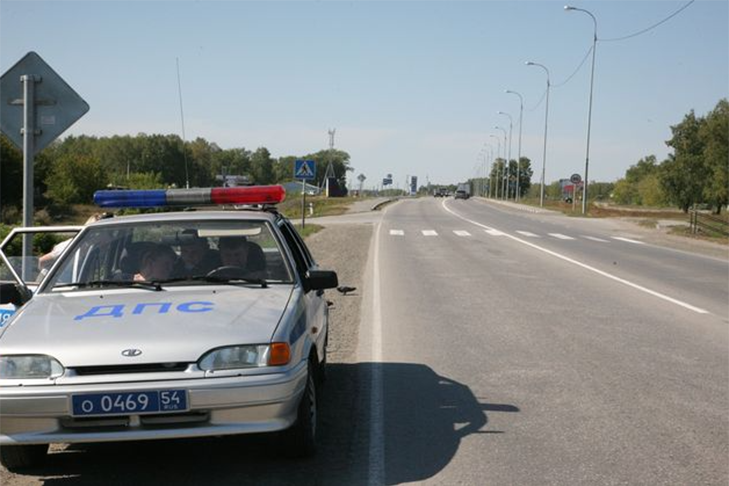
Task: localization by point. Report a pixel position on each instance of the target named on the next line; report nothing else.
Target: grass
(308, 230)
(323, 206)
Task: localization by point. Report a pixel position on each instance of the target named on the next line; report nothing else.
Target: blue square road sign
(304, 169)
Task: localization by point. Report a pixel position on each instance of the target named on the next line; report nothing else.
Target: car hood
(178, 324)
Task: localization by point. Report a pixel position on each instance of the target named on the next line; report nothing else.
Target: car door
(317, 311)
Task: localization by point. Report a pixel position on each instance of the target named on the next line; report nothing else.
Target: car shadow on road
(423, 416)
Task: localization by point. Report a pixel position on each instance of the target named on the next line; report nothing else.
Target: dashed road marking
(494, 232)
(628, 240)
(594, 238)
(527, 233)
(429, 233)
(462, 233)
(395, 232)
(561, 236)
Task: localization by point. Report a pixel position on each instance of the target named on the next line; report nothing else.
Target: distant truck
(463, 191)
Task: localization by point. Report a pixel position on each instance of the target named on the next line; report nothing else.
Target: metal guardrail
(705, 223)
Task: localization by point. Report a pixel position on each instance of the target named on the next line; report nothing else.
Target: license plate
(130, 403)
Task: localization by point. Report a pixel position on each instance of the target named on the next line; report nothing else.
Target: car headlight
(246, 356)
(29, 367)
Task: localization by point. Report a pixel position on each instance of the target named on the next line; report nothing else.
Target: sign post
(575, 179)
(37, 106)
(304, 170)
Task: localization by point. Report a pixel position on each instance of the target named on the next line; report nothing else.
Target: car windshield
(172, 253)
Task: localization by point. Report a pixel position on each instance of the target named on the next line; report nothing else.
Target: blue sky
(413, 88)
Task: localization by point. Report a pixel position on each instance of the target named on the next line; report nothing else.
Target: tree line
(493, 185)
(696, 173)
(69, 171)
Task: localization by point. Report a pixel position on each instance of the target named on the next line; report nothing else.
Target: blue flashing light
(131, 199)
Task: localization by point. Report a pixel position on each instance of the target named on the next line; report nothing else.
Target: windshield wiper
(216, 279)
(114, 283)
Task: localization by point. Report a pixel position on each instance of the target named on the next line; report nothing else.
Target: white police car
(167, 325)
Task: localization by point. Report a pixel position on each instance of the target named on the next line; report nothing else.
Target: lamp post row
(546, 123)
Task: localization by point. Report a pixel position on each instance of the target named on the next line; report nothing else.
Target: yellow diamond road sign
(57, 105)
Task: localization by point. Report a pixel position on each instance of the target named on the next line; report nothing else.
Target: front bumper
(217, 406)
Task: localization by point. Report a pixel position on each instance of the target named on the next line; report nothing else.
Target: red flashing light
(248, 195)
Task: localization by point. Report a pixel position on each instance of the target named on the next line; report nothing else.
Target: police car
(167, 325)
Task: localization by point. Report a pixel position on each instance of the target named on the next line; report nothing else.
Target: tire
(16, 458)
(299, 441)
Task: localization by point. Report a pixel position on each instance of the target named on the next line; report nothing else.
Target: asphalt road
(503, 357)
(483, 346)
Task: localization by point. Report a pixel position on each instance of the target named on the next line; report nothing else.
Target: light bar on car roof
(189, 197)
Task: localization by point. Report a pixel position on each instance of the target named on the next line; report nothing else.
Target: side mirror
(321, 279)
(11, 294)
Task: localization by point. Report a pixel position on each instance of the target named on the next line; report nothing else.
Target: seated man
(157, 263)
(236, 251)
(196, 258)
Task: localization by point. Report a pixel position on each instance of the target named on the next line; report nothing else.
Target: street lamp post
(589, 109)
(518, 157)
(498, 154)
(546, 118)
(486, 157)
(508, 163)
(506, 167)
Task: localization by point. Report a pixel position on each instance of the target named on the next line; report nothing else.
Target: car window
(302, 263)
(179, 251)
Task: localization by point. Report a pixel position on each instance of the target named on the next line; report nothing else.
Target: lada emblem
(131, 353)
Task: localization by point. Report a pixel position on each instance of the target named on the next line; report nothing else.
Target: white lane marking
(561, 236)
(462, 233)
(397, 232)
(377, 435)
(593, 238)
(494, 232)
(527, 233)
(628, 240)
(586, 267)
(429, 233)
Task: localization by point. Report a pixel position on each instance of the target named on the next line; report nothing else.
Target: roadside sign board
(304, 169)
(575, 178)
(57, 105)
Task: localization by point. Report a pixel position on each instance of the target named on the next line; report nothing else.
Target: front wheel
(300, 439)
(19, 457)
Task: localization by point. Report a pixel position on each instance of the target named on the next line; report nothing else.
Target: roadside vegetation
(69, 171)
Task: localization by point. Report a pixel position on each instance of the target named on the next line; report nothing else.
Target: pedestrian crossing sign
(304, 169)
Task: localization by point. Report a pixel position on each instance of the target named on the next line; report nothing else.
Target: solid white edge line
(376, 452)
(587, 267)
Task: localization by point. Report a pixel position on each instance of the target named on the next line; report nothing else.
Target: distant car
(440, 193)
(114, 346)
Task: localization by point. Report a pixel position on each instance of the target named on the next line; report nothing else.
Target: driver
(236, 251)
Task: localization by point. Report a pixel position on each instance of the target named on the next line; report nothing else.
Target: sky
(411, 87)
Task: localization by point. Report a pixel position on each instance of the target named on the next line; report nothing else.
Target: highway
(517, 348)
(485, 345)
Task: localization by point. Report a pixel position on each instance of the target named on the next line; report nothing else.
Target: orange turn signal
(280, 354)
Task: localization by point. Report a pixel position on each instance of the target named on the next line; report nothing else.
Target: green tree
(11, 175)
(684, 174)
(262, 169)
(714, 136)
(74, 179)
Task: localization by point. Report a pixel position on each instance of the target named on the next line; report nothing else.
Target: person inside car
(196, 257)
(236, 251)
(157, 264)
